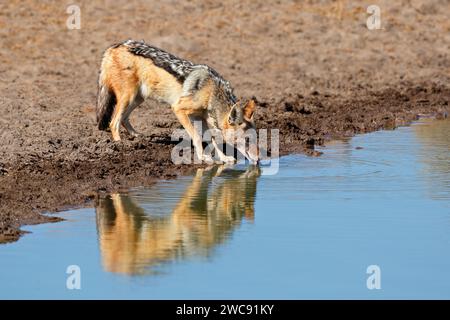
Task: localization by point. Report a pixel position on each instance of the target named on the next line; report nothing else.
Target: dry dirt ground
(317, 72)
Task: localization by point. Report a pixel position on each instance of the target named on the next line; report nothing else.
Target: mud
(316, 70)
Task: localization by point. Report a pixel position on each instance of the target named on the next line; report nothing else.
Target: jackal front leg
(222, 156)
(182, 109)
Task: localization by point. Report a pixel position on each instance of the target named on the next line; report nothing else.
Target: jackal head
(240, 129)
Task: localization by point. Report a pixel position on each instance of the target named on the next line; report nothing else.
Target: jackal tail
(106, 100)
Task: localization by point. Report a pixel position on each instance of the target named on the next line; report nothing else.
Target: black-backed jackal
(132, 71)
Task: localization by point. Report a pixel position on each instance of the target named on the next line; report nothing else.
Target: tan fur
(126, 74)
(130, 79)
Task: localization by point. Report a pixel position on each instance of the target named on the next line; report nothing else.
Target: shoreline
(317, 71)
(53, 185)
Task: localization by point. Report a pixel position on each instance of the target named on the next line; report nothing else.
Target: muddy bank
(74, 179)
(316, 70)
(307, 121)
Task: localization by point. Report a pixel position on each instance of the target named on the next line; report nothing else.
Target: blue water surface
(308, 232)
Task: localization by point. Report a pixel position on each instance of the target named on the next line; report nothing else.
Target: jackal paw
(207, 159)
(134, 134)
(228, 159)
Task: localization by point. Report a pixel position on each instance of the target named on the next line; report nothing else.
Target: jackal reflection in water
(133, 241)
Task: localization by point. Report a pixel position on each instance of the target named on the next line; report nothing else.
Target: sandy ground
(317, 72)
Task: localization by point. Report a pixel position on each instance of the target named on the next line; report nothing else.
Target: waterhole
(310, 231)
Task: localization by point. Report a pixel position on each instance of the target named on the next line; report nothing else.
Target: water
(311, 231)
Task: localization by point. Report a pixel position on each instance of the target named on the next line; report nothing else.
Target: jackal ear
(249, 109)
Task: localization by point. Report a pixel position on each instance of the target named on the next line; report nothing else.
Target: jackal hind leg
(126, 116)
(117, 119)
